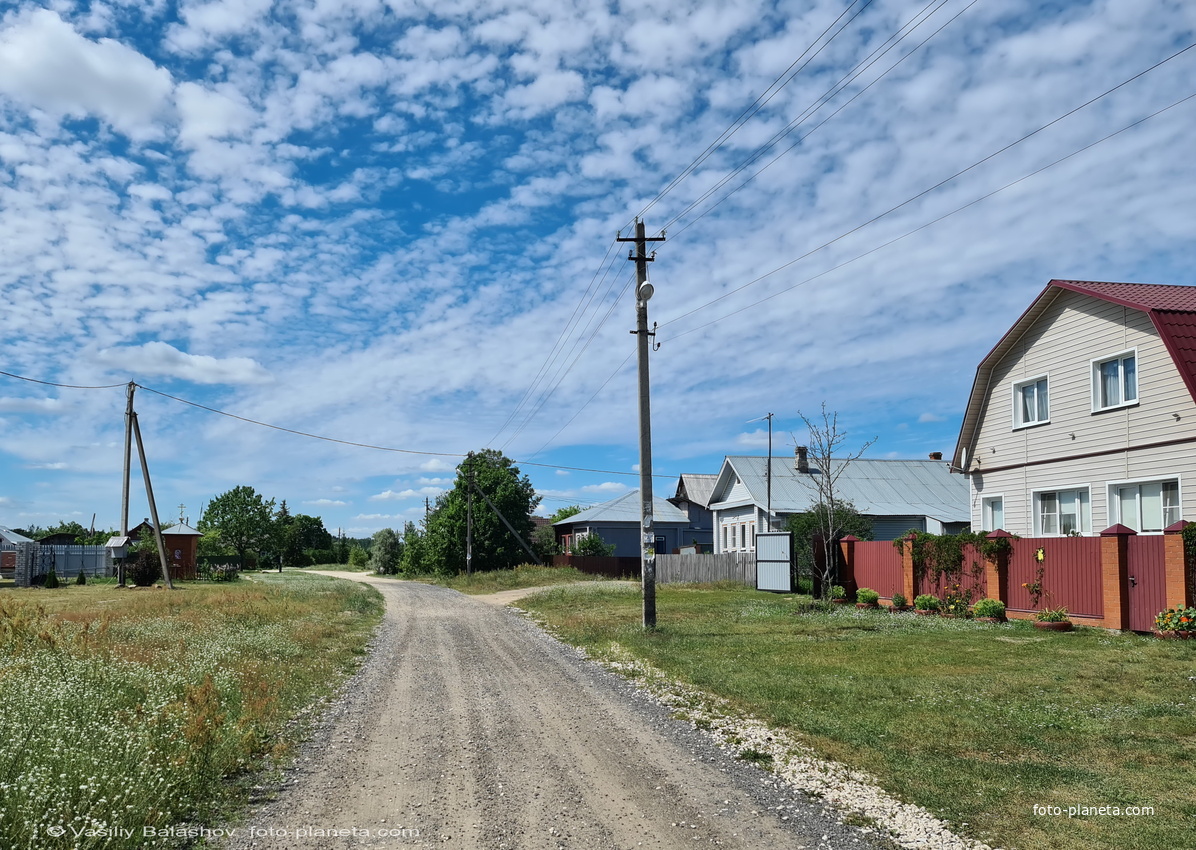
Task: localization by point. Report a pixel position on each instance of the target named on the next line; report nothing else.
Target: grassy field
(121, 709)
(492, 581)
(980, 724)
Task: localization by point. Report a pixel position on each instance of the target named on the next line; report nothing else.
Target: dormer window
(1031, 405)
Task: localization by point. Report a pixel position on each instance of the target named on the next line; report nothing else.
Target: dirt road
(469, 728)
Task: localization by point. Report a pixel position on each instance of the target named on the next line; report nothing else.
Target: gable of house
(1085, 405)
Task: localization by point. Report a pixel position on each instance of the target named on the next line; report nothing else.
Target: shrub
(899, 600)
(358, 557)
(837, 592)
(989, 608)
(592, 544)
(81, 579)
(51, 579)
(867, 595)
(144, 568)
(926, 602)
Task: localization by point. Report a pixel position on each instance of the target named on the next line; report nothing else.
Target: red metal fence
(1071, 574)
(878, 566)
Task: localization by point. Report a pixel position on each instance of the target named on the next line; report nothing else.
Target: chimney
(936, 455)
(803, 461)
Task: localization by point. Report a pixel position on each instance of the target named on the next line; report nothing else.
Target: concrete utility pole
(149, 494)
(643, 292)
(768, 473)
(469, 514)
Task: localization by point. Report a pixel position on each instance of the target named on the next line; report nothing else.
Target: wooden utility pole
(124, 493)
(469, 514)
(149, 494)
(643, 292)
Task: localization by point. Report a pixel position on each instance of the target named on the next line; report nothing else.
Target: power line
(915, 230)
(63, 386)
(946, 180)
(761, 100)
(822, 101)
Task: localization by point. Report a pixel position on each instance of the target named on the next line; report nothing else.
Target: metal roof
(697, 488)
(182, 528)
(1171, 308)
(626, 508)
(7, 535)
(874, 487)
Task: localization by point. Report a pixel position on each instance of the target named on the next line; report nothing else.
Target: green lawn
(977, 723)
(121, 709)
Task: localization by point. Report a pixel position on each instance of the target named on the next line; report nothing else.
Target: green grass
(977, 723)
(121, 709)
(527, 575)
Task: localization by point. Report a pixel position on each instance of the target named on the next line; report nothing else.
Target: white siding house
(1082, 417)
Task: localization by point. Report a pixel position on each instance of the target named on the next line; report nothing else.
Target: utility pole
(643, 292)
(124, 493)
(469, 514)
(149, 494)
(768, 472)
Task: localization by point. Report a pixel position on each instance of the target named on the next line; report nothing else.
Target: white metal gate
(774, 557)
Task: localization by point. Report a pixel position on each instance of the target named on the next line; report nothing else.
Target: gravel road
(468, 727)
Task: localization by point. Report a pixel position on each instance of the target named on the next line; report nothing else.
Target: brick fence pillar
(1179, 589)
(996, 572)
(847, 562)
(26, 561)
(1114, 556)
(907, 569)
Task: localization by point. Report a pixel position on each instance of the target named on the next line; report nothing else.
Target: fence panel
(1071, 574)
(972, 579)
(877, 564)
(68, 561)
(725, 566)
(611, 567)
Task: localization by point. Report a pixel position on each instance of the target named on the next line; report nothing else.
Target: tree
(592, 544)
(243, 520)
(806, 529)
(386, 552)
(826, 467)
(494, 546)
(414, 558)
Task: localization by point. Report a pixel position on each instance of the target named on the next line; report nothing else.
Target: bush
(144, 568)
(926, 602)
(592, 545)
(358, 557)
(51, 579)
(838, 592)
(81, 579)
(899, 600)
(994, 608)
(867, 595)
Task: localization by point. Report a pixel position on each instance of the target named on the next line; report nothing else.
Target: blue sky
(391, 222)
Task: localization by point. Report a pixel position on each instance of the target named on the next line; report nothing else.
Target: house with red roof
(1083, 416)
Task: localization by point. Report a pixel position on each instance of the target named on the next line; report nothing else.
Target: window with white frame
(726, 538)
(992, 513)
(1148, 507)
(1059, 513)
(1115, 381)
(1031, 405)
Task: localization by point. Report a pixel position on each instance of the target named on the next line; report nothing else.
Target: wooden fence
(727, 566)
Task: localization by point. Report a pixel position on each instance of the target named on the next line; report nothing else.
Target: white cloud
(401, 495)
(613, 488)
(46, 64)
(931, 417)
(326, 503)
(160, 358)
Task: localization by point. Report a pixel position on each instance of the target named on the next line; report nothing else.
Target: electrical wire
(939, 184)
(63, 386)
(822, 101)
(761, 100)
(921, 227)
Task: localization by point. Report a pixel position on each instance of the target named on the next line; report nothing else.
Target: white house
(1083, 415)
(898, 495)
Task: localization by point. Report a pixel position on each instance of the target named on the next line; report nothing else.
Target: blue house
(617, 522)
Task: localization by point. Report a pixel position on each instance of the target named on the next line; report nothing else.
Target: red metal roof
(1140, 296)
